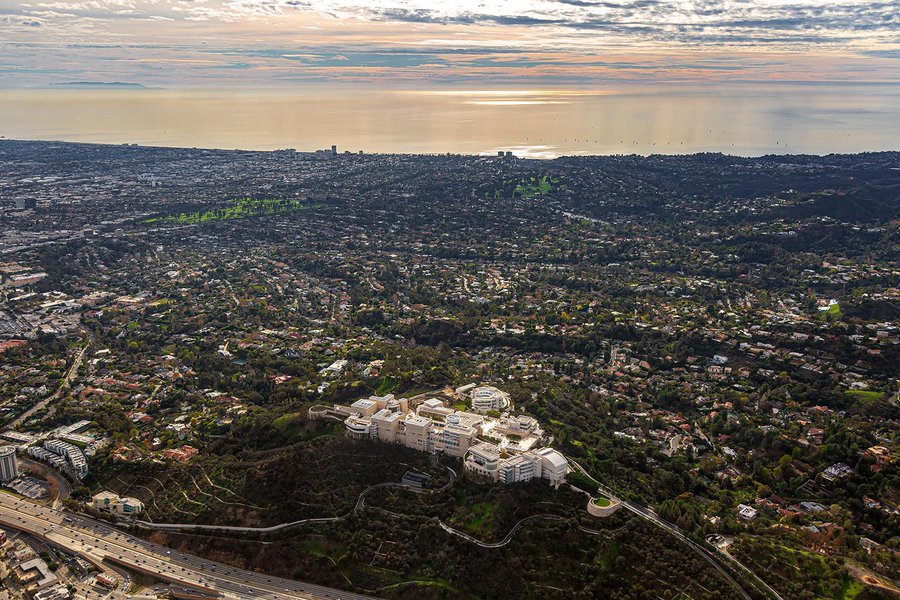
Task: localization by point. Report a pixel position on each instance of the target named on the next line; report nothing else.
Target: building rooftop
(555, 457)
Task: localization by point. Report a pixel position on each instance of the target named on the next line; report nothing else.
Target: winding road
(360, 504)
(711, 558)
(507, 538)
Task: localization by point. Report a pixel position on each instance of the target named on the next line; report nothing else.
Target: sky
(430, 43)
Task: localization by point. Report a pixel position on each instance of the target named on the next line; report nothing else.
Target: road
(63, 487)
(710, 557)
(73, 370)
(97, 541)
(360, 504)
(505, 540)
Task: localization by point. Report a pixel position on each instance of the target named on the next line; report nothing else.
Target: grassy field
(601, 501)
(528, 187)
(386, 386)
(236, 209)
(833, 312)
(865, 395)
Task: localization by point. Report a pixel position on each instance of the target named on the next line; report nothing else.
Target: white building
(335, 368)
(747, 513)
(483, 459)
(554, 465)
(452, 437)
(9, 467)
(358, 428)
(487, 398)
(72, 454)
(48, 457)
(116, 505)
(514, 456)
(519, 468)
(487, 460)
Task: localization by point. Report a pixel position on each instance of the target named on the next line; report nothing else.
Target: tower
(9, 467)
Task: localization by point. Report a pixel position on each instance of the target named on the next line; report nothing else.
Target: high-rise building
(333, 150)
(9, 467)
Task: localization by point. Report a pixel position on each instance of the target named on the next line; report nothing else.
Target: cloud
(586, 42)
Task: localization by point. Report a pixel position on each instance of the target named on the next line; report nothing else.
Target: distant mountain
(98, 84)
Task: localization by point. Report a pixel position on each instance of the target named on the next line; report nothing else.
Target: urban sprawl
(233, 374)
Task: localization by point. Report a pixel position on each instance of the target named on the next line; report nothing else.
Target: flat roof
(486, 450)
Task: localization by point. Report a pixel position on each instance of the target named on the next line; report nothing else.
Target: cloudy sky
(422, 43)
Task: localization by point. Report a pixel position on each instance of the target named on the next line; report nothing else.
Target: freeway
(97, 541)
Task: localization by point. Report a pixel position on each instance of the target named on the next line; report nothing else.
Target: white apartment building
(72, 454)
(9, 467)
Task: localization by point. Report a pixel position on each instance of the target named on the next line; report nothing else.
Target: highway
(97, 541)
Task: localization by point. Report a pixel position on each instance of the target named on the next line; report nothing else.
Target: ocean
(748, 119)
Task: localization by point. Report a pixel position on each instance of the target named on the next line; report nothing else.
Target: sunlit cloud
(573, 43)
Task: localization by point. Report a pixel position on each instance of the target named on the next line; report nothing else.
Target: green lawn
(866, 395)
(850, 589)
(529, 187)
(834, 312)
(386, 386)
(236, 209)
(288, 424)
(601, 501)
(532, 187)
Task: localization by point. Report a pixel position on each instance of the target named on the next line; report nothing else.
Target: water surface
(745, 119)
